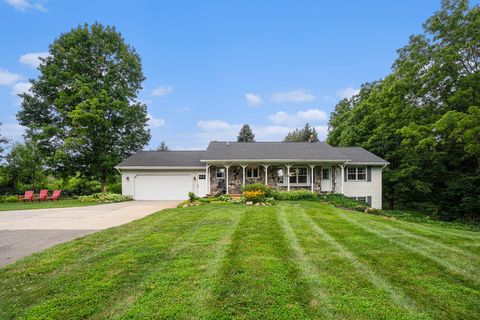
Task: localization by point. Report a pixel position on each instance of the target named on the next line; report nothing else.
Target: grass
(290, 261)
(44, 204)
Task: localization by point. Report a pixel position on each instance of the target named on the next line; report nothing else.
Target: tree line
(424, 117)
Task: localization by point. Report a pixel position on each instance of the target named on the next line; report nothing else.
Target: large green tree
(423, 117)
(307, 133)
(246, 134)
(3, 141)
(83, 110)
(24, 165)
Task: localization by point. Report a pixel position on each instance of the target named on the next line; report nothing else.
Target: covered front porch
(230, 177)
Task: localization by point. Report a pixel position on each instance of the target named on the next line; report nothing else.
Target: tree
(24, 165)
(424, 117)
(83, 109)
(3, 141)
(162, 147)
(307, 134)
(246, 134)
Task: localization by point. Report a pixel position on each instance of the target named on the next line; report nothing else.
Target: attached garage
(163, 175)
(163, 187)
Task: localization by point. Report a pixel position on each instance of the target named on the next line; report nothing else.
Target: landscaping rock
(249, 203)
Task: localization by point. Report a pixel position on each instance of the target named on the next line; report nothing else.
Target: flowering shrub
(254, 196)
(104, 197)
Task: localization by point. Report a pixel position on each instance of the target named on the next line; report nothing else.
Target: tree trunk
(104, 182)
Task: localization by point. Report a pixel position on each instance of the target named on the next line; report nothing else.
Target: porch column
(243, 177)
(342, 166)
(312, 166)
(266, 173)
(288, 176)
(226, 176)
(207, 177)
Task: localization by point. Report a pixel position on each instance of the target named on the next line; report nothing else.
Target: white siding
(362, 188)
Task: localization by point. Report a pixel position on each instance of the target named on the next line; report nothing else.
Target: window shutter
(345, 173)
(369, 173)
(369, 200)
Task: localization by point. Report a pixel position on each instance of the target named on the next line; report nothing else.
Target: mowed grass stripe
(425, 242)
(440, 293)
(309, 271)
(183, 281)
(90, 282)
(457, 266)
(259, 277)
(395, 294)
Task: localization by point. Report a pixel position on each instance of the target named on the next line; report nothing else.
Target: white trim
(356, 174)
(282, 161)
(160, 168)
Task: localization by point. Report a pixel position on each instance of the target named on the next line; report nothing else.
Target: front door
(326, 180)
(201, 185)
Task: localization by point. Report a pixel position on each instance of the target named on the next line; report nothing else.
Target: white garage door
(163, 187)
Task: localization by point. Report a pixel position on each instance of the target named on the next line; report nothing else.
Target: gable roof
(317, 151)
(184, 158)
(360, 155)
(252, 151)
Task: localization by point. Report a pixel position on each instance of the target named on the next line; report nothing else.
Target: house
(226, 166)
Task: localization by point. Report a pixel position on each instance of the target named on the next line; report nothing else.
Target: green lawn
(44, 204)
(289, 261)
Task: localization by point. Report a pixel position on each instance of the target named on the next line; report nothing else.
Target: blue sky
(212, 66)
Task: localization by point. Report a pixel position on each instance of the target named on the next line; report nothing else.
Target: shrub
(254, 196)
(339, 200)
(115, 188)
(270, 201)
(294, 195)
(8, 199)
(192, 196)
(224, 197)
(104, 197)
(267, 191)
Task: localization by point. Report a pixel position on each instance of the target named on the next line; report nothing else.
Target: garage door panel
(163, 187)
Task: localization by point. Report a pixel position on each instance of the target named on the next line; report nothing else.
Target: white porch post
(312, 166)
(266, 173)
(288, 176)
(342, 166)
(207, 177)
(226, 177)
(243, 177)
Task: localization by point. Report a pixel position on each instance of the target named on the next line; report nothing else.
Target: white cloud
(155, 122)
(12, 131)
(211, 125)
(32, 59)
(295, 96)
(253, 99)
(162, 91)
(25, 5)
(347, 92)
(312, 115)
(282, 117)
(20, 87)
(8, 78)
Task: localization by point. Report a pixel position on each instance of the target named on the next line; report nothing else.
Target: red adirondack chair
(55, 195)
(42, 196)
(28, 196)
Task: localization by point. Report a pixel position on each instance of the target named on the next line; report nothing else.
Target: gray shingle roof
(282, 151)
(272, 151)
(164, 158)
(360, 155)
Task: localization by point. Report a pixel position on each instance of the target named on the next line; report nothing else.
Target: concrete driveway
(23, 232)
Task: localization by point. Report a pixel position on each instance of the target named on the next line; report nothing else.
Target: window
(252, 172)
(357, 173)
(220, 173)
(201, 177)
(325, 174)
(280, 176)
(298, 175)
(364, 199)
